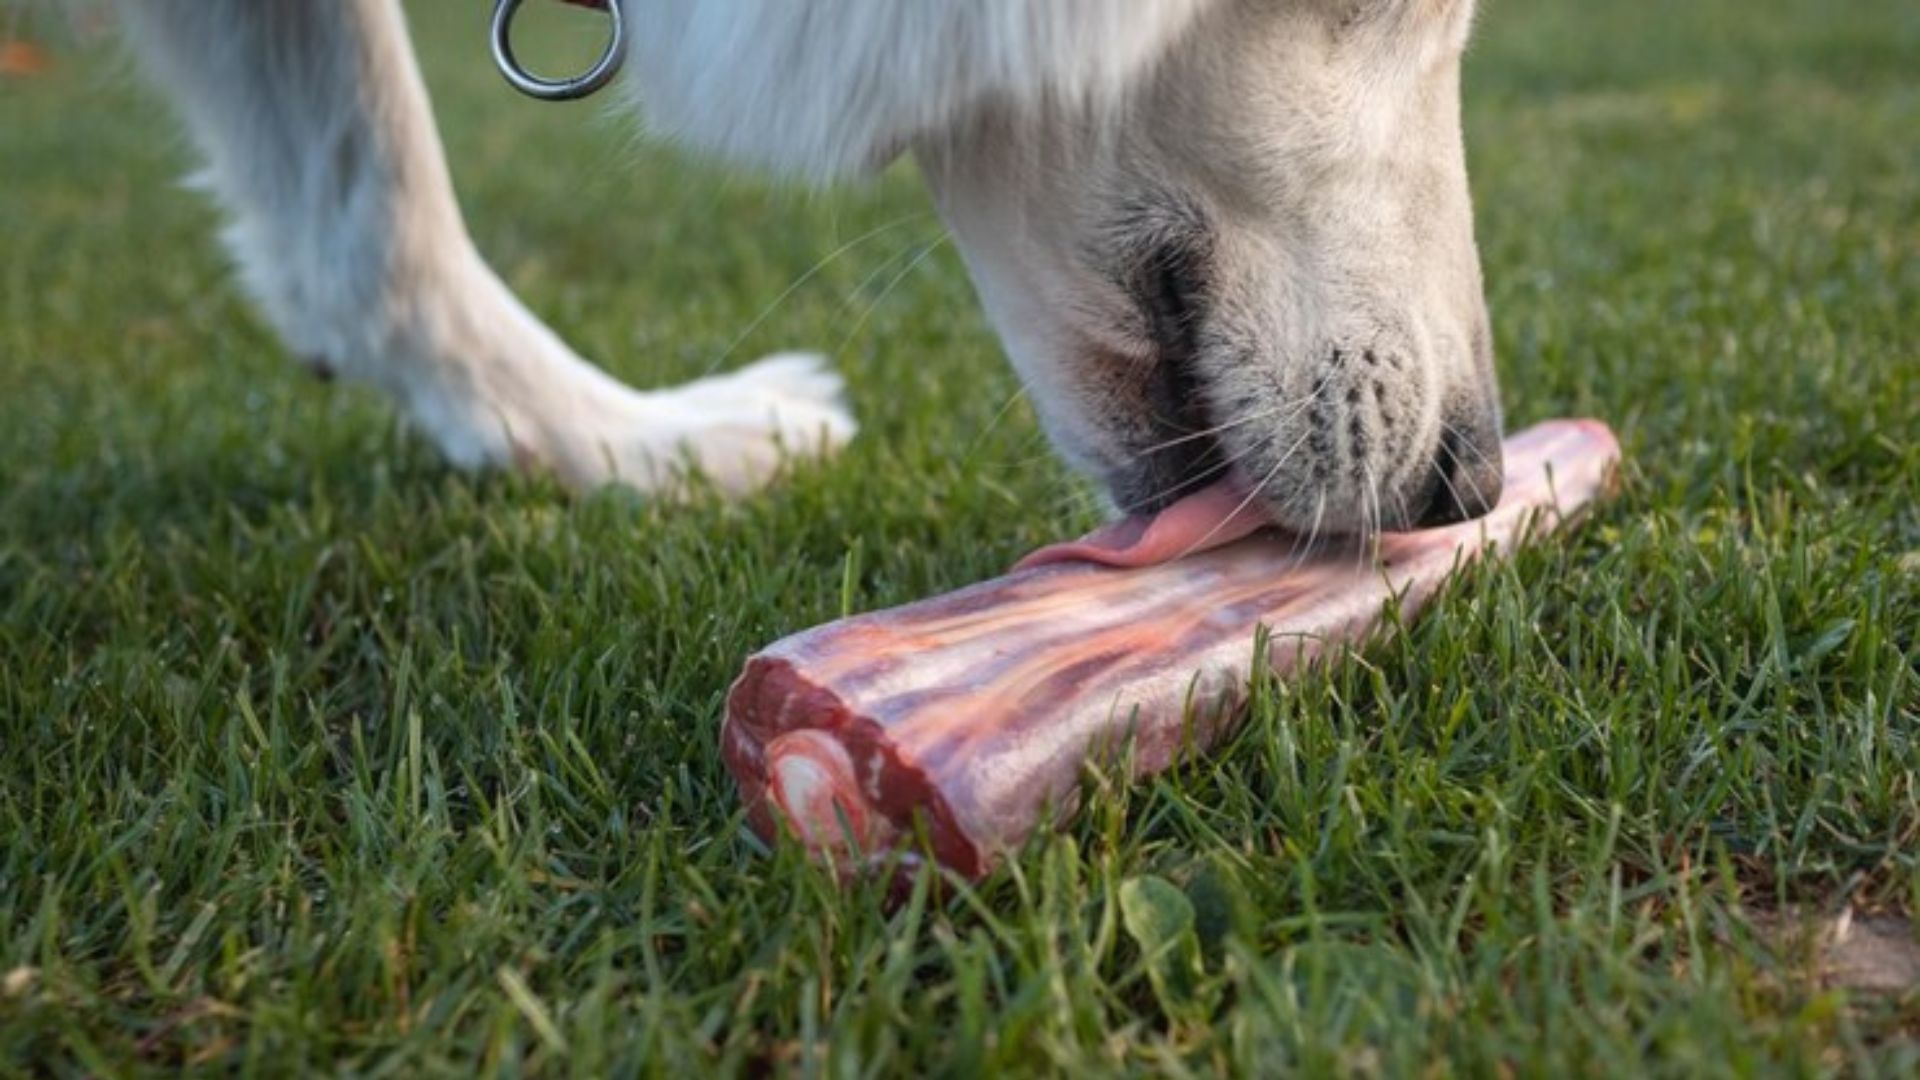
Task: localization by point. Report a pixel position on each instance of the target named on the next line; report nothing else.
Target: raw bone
(971, 715)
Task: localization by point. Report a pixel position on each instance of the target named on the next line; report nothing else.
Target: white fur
(1302, 161)
(317, 139)
(1304, 155)
(828, 87)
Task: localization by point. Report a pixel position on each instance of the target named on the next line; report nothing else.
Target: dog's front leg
(318, 139)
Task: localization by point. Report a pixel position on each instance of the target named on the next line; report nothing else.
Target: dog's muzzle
(579, 86)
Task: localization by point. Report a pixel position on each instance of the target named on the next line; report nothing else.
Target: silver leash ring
(579, 86)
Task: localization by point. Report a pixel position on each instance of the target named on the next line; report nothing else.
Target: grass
(320, 755)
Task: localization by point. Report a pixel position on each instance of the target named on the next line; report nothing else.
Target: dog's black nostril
(1466, 481)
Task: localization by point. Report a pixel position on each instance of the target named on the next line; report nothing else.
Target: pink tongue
(1207, 519)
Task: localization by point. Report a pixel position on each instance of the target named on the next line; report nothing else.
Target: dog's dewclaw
(959, 724)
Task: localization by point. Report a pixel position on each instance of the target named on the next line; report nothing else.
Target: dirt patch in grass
(1871, 954)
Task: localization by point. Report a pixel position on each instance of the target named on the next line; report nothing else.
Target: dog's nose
(1467, 473)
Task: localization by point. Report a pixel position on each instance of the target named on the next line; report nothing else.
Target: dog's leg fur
(317, 136)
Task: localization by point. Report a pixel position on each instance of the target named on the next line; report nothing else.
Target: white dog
(1224, 241)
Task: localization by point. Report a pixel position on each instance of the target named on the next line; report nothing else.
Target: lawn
(318, 754)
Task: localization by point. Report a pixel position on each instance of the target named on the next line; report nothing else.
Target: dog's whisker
(1290, 408)
(1400, 505)
(1293, 408)
(1194, 480)
(1461, 436)
(1370, 517)
(1077, 501)
(1447, 445)
(993, 422)
(1253, 492)
(1303, 545)
(888, 290)
(812, 272)
(1205, 474)
(901, 254)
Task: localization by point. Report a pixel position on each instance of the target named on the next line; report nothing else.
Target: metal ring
(595, 77)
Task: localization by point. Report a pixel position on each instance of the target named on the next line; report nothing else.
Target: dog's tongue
(1207, 519)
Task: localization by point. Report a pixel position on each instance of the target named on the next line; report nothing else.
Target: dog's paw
(739, 427)
(491, 385)
(796, 395)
